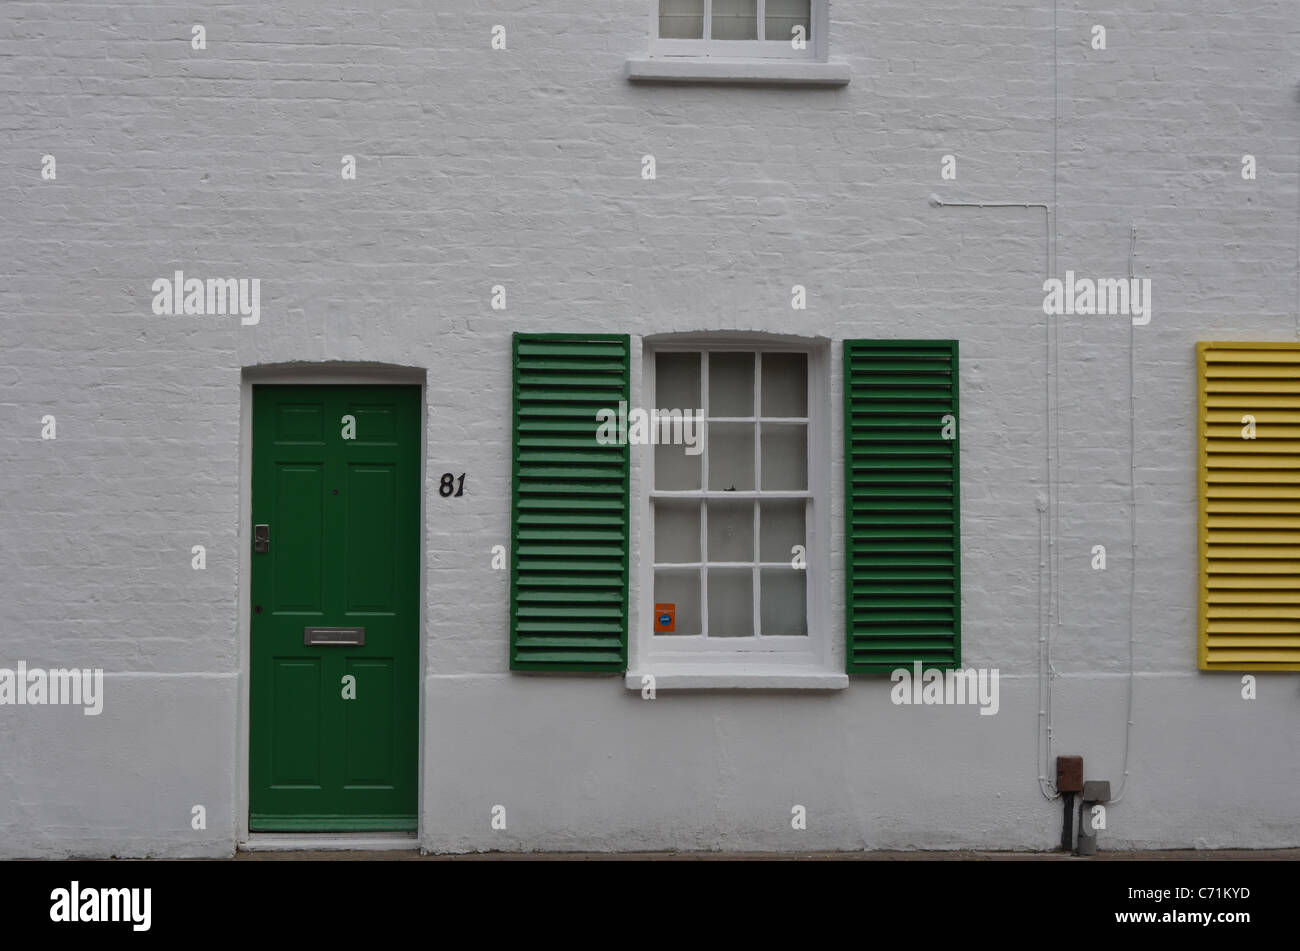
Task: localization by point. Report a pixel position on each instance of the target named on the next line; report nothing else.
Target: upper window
(776, 29)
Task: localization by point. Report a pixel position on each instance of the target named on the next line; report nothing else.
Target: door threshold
(329, 841)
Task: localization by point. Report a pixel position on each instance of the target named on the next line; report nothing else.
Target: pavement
(407, 855)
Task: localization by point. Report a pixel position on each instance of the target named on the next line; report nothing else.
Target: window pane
(674, 469)
(785, 457)
(781, 17)
(785, 384)
(735, 19)
(731, 384)
(731, 531)
(782, 601)
(681, 589)
(780, 528)
(681, 19)
(731, 602)
(730, 447)
(677, 381)
(677, 531)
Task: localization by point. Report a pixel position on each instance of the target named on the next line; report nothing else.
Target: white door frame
(312, 374)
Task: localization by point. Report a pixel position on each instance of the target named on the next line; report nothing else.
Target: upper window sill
(756, 72)
(757, 677)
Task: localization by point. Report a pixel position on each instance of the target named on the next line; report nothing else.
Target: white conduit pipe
(1047, 552)
(1132, 517)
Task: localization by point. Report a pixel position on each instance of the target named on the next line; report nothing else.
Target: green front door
(335, 536)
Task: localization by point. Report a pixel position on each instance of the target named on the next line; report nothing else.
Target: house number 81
(450, 483)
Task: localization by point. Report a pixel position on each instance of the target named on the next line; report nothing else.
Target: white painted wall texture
(522, 167)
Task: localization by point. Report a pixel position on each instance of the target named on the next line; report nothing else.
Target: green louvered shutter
(569, 547)
(902, 551)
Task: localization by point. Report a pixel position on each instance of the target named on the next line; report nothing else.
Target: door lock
(261, 538)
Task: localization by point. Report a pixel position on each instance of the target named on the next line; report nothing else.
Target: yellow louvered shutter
(1249, 491)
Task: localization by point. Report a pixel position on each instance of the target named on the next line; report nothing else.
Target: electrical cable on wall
(1132, 518)
(1046, 559)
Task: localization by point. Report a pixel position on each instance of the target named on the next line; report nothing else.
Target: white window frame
(816, 49)
(774, 661)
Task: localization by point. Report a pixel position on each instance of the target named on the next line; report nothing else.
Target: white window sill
(691, 69)
(738, 677)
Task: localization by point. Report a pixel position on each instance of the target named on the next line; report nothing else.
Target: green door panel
(344, 517)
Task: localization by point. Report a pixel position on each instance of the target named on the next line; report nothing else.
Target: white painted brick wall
(523, 168)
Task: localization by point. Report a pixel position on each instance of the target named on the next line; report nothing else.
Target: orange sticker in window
(666, 618)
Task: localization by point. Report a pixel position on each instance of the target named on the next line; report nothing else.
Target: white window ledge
(715, 676)
(690, 69)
